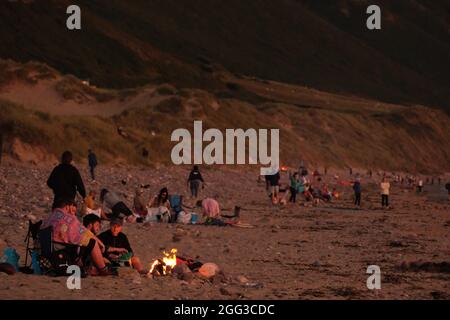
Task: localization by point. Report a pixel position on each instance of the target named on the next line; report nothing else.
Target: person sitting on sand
(210, 208)
(93, 223)
(110, 200)
(161, 203)
(92, 207)
(117, 246)
(326, 194)
(335, 194)
(308, 194)
(139, 203)
(211, 213)
(68, 230)
(316, 193)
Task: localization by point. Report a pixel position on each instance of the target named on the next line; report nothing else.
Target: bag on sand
(184, 217)
(10, 256)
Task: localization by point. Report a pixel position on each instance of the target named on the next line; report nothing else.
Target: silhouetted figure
(92, 159)
(65, 180)
(357, 189)
(195, 179)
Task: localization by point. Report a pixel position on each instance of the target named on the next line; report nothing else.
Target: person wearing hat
(117, 246)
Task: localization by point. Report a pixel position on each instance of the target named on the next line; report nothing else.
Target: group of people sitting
(299, 184)
(99, 252)
(102, 252)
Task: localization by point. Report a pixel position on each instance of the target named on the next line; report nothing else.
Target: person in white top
(420, 185)
(385, 186)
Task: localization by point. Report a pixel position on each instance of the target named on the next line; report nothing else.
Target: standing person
(92, 159)
(65, 180)
(357, 189)
(194, 181)
(296, 186)
(420, 185)
(385, 186)
(274, 181)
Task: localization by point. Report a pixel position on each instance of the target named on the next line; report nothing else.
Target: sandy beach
(293, 251)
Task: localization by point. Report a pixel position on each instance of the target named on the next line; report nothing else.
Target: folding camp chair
(30, 240)
(53, 257)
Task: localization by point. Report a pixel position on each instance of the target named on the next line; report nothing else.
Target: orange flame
(165, 265)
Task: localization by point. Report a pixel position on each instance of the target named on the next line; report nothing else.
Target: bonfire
(164, 265)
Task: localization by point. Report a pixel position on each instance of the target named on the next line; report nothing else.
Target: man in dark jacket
(65, 180)
(194, 181)
(92, 159)
(357, 189)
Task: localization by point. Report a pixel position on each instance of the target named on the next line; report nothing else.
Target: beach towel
(67, 229)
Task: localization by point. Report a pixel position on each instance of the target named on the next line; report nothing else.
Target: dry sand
(294, 252)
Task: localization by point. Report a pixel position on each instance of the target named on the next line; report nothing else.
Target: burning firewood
(165, 265)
